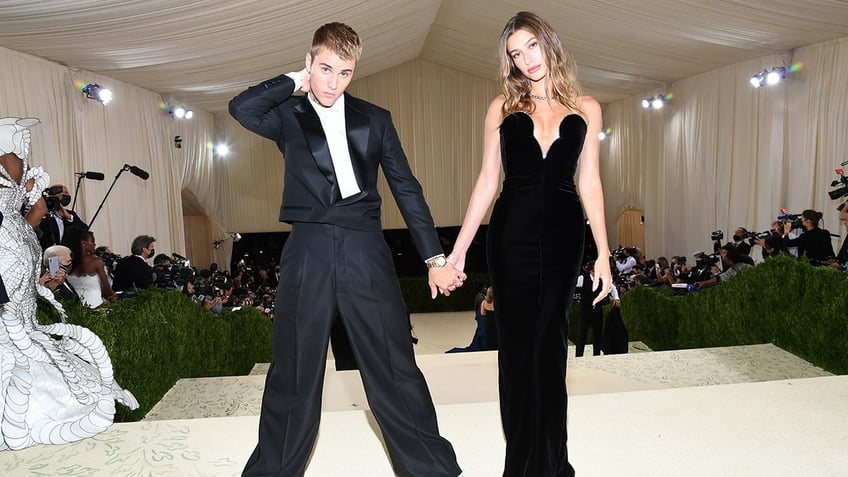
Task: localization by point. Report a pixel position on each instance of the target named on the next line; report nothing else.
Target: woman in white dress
(88, 274)
(56, 381)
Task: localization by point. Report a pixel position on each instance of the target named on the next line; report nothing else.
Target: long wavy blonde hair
(561, 77)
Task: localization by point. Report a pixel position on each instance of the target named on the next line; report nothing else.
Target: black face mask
(66, 268)
(152, 252)
(737, 238)
(65, 200)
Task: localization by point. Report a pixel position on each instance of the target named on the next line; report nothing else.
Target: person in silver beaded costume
(56, 381)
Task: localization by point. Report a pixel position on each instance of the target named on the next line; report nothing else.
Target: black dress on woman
(534, 251)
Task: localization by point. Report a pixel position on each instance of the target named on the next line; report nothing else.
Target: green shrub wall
(785, 301)
(162, 336)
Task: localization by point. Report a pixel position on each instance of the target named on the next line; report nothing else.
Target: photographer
(773, 235)
(624, 261)
(734, 263)
(773, 246)
(109, 260)
(740, 235)
(53, 229)
(705, 266)
(213, 304)
(54, 276)
(133, 272)
(814, 242)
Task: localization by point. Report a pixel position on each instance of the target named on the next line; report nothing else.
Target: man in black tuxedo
(132, 272)
(336, 264)
(53, 228)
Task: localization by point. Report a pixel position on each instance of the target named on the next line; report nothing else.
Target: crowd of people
(76, 268)
(799, 236)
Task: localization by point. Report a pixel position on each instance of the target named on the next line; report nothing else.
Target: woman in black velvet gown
(537, 130)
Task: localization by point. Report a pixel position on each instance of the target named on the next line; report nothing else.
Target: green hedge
(162, 336)
(798, 307)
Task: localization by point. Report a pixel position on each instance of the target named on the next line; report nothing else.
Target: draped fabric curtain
(631, 231)
(78, 134)
(720, 155)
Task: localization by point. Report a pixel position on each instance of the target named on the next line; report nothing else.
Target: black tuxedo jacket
(48, 230)
(310, 191)
(132, 272)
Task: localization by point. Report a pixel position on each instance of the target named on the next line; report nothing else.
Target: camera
(717, 235)
(794, 219)
(842, 191)
(705, 261)
(109, 259)
(173, 275)
(52, 199)
(757, 235)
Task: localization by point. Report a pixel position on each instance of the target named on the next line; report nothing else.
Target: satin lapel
(358, 130)
(310, 124)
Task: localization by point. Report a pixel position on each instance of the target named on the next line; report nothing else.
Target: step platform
(776, 428)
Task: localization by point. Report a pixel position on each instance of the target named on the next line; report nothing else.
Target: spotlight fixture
(180, 112)
(97, 92)
(234, 236)
(221, 149)
(656, 102)
(770, 76)
(178, 142)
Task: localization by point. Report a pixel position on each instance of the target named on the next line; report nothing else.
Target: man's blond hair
(338, 38)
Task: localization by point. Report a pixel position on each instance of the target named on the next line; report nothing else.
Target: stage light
(604, 133)
(758, 79)
(179, 112)
(656, 102)
(234, 236)
(772, 76)
(96, 92)
(222, 149)
(775, 75)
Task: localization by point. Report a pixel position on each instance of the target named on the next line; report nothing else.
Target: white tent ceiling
(202, 52)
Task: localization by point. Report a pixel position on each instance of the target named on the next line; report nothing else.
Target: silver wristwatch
(436, 262)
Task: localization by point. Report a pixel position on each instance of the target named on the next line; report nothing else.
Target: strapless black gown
(534, 251)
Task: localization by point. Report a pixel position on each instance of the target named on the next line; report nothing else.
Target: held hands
(457, 260)
(444, 279)
(602, 278)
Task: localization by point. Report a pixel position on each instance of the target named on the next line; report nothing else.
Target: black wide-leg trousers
(326, 273)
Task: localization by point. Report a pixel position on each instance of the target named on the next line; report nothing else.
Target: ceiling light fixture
(656, 102)
(221, 149)
(96, 92)
(773, 76)
(180, 112)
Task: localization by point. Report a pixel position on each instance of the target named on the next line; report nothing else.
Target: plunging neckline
(544, 153)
